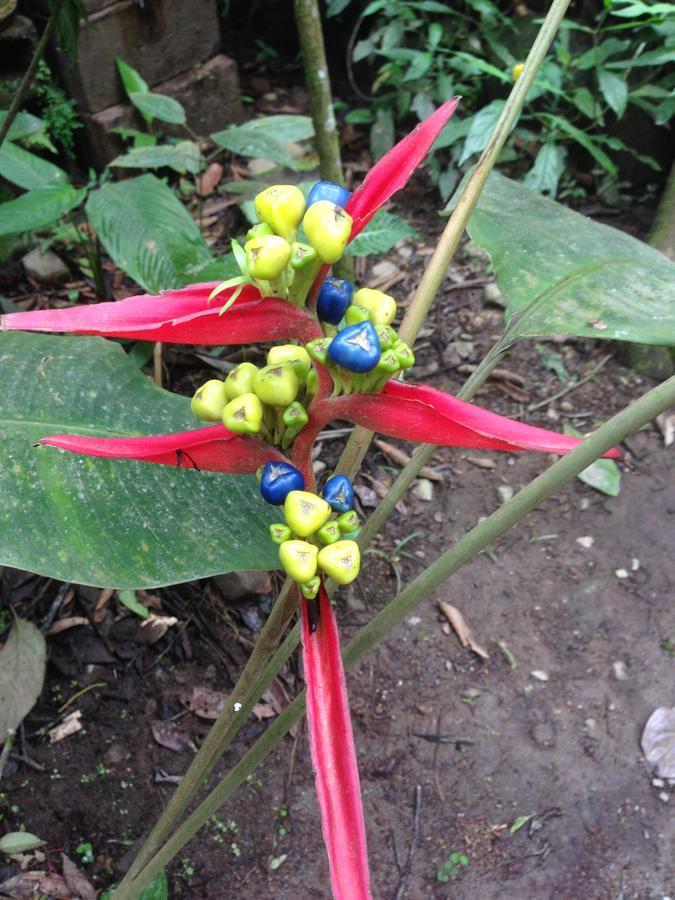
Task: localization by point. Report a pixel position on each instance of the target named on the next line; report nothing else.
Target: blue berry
(326, 190)
(334, 298)
(278, 480)
(356, 348)
(339, 493)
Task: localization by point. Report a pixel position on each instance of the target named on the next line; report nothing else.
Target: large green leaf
(562, 273)
(38, 209)
(259, 138)
(27, 170)
(159, 106)
(383, 231)
(107, 522)
(147, 231)
(25, 125)
(181, 157)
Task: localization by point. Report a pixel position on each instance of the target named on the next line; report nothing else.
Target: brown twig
(573, 386)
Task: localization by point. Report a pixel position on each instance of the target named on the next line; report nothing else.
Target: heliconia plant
(337, 356)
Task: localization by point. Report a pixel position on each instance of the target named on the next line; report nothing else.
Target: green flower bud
(388, 363)
(295, 356)
(318, 349)
(209, 401)
(299, 560)
(356, 314)
(404, 355)
(240, 380)
(267, 256)
(328, 228)
(305, 513)
(258, 230)
(348, 522)
(282, 207)
(302, 255)
(310, 589)
(277, 385)
(243, 415)
(279, 532)
(329, 533)
(295, 416)
(387, 336)
(381, 306)
(312, 383)
(340, 561)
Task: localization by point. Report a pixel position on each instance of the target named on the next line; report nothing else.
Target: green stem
(545, 485)
(445, 249)
(261, 668)
(27, 80)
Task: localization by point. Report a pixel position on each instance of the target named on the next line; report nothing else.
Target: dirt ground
(526, 765)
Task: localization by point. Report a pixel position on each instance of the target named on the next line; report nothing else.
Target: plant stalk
(449, 241)
(262, 666)
(27, 80)
(620, 426)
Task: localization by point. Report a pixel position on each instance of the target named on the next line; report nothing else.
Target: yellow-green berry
(240, 380)
(243, 415)
(305, 513)
(299, 560)
(381, 306)
(209, 401)
(277, 385)
(282, 207)
(328, 228)
(340, 561)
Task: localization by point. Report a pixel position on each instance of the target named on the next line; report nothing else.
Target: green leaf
(133, 81)
(132, 603)
(19, 842)
(38, 209)
(419, 66)
(218, 269)
(648, 58)
(603, 475)
(22, 672)
(114, 523)
(27, 170)
(547, 169)
(159, 106)
(68, 26)
(614, 90)
(382, 232)
(158, 889)
(147, 231)
(25, 125)
(584, 102)
(284, 128)
(480, 129)
(565, 274)
(585, 140)
(554, 363)
(382, 132)
(181, 157)
(245, 142)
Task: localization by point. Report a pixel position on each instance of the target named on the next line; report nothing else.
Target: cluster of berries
(268, 400)
(273, 259)
(359, 336)
(311, 539)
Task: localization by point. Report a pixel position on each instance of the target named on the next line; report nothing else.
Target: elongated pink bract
(211, 449)
(333, 755)
(177, 317)
(424, 414)
(393, 171)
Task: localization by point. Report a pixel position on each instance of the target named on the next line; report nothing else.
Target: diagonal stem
(610, 434)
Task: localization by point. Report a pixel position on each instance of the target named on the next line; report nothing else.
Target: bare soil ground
(527, 765)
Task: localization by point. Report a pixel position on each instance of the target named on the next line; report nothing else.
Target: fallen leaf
(210, 179)
(203, 702)
(162, 777)
(36, 884)
(22, 672)
(658, 742)
(464, 631)
(70, 725)
(66, 623)
(169, 735)
(76, 880)
(102, 603)
(666, 424)
(263, 711)
(19, 842)
(155, 627)
(401, 458)
(483, 462)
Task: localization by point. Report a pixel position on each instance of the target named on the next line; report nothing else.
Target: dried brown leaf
(658, 742)
(204, 702)
(463, 629)
(169, 735)
(36, 884)
(70, 725)
(66, 623)
(76, 880)
(666, 424)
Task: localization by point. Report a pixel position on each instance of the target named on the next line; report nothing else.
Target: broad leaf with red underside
(331, 743)
(114, 522)
(178, 317)
(210, 449)
(424, 414)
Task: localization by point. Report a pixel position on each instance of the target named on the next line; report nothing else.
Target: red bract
(334, 755)
(178, 317)
(213, 449)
